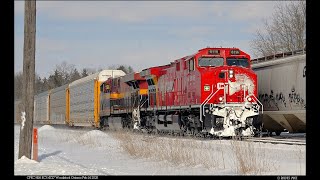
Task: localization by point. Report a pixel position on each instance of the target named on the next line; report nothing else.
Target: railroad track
(281, 140)
(290, 140)
(274, 140)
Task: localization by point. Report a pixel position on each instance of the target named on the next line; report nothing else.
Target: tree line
(63, 74)
(284, 31)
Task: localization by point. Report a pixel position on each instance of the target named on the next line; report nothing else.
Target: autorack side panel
(82, 101)
(41, 108)
(58, 105)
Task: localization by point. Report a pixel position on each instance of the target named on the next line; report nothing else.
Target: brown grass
(177, 151)
(250, 159)
(189, 152)
(300, 156)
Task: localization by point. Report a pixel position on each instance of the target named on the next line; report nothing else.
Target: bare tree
(285, 31)
(92, 70)
(25, 140)
(65, 70)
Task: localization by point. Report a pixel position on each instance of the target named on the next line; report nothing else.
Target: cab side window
(191, 64)
(107, 88)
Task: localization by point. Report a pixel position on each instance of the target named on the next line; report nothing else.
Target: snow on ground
(68, 151)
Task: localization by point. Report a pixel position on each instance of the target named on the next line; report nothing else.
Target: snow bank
(25, 160)
(97, 139)
(82, 152)
(95, 134)
(46, 128)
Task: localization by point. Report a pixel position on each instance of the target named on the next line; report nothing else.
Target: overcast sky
(141, 34)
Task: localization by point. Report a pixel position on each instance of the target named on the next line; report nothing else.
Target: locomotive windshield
(238, 62)
(210, 61)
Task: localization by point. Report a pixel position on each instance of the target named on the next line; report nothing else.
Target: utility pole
(25, 141)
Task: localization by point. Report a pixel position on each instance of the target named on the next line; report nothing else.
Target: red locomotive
(210, 92)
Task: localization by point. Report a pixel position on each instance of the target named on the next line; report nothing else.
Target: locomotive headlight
(220, 98)
(249, 99)
(231, 73)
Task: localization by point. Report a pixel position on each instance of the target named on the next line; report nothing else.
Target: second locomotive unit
(213, 91)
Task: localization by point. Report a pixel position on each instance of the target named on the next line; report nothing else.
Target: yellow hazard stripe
(143, 91)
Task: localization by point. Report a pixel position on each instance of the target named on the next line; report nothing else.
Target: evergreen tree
(84, 72)
(75, 75)
(45, 84)
(57, 79)
(130, 69)
(123, 68)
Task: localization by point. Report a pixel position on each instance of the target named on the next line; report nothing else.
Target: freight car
(282, 90)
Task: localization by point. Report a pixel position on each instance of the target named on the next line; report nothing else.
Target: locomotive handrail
(208, 99)
(143, 103)
(244, 91)
(257, 101)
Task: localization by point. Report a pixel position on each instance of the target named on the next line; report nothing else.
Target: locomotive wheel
(260, 131)
(192, 131)
(278, 133)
